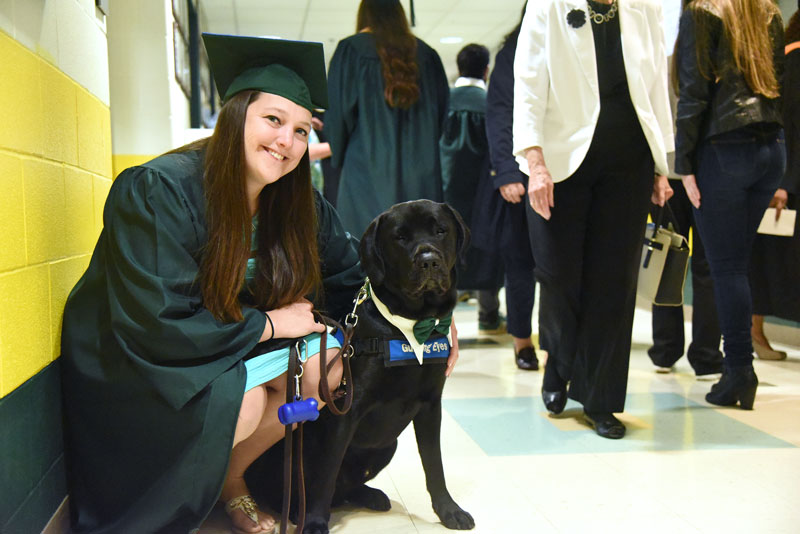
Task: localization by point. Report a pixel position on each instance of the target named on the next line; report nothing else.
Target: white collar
(404, 324)
(464, 81)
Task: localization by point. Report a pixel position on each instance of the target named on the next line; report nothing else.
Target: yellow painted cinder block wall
(55, 173)
(120, 162)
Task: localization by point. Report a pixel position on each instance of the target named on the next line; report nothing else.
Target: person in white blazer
(592, 128)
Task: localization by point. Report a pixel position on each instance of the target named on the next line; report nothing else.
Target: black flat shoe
(526, 359)
(737, 385)
(554, 389)
(605, 424)
(554, 401)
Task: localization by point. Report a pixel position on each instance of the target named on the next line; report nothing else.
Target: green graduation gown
(467, 183)
(152, 382)
(387, 155)
(464, 148)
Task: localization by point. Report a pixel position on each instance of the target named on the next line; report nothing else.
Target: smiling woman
(275, 138)
(174, 340)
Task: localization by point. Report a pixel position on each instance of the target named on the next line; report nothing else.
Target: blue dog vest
(396, 351)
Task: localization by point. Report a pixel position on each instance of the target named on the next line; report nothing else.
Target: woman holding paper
(775, 266)
(731, 154)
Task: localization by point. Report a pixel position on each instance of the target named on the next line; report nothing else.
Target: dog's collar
(406, 325)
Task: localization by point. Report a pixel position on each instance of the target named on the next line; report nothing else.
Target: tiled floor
(684, 466)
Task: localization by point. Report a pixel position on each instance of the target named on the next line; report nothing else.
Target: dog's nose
(427, 261)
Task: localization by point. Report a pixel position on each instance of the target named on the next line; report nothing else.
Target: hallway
(684, 466)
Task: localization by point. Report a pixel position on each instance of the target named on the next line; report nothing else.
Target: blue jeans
(737, 174)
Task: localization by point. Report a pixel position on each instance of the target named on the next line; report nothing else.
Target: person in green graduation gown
(174, 343)
(388, 99)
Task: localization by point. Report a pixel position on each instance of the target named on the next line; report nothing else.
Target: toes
(370, 498)
(267, 523)
(242, 523)
(454, 518)
(459, 520)
(315, 527)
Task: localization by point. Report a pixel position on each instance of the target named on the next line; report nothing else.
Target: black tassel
(414, 18)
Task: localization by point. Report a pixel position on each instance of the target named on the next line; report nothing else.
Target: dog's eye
(400, 237)
(441, 230)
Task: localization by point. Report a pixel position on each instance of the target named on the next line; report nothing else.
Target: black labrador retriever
(409, 253)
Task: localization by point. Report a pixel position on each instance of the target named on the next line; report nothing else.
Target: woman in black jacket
(730, 152)
(775, 266)
(511, 184)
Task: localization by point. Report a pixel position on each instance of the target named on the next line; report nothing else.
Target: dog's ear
(462, 239)
(370, 252)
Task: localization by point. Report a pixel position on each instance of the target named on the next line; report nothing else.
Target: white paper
(783, 226)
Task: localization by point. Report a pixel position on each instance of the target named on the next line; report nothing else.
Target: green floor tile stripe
(669, 422)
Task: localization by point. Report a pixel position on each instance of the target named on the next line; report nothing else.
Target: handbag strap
(660, 218)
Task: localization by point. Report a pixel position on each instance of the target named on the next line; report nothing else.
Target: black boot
(738, 384)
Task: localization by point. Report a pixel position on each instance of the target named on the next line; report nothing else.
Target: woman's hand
(319, 151)
(453, 358)
(661, 190)
(540, 184)
(291, 321)
(513, 192)
(779, 201)
(690, 184)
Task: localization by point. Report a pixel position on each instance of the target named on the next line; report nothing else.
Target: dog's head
(410, 253)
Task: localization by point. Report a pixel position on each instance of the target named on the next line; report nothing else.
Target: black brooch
(576, 18)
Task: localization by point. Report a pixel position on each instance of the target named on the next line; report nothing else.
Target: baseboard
(59, 523)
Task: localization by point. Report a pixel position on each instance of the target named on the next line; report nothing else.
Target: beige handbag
(663, 266)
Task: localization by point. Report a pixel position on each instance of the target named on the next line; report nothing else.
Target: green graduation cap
(291, 69)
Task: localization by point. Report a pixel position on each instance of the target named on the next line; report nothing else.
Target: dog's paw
(315, 526)
(453, 517)
(370, 498)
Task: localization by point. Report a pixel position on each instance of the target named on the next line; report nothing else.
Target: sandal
(248, 505)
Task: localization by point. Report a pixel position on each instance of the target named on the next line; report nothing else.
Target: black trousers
(775, 271)
(519, 266)
(488, 306)
(668, 335)
(520, 284)
(587, 258)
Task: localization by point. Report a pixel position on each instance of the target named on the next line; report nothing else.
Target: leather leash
(294, 387)
(345, 352)
(294, 361)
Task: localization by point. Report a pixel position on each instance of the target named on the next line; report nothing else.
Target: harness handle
(345, 352)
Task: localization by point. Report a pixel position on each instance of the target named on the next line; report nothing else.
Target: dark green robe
(464, 149)
(152, 382)
(387, 155)
(468, 185)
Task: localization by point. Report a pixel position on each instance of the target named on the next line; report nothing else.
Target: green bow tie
(424, 328)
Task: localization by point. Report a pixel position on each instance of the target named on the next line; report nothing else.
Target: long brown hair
(287, 259)
(397, 49)
(746, 24)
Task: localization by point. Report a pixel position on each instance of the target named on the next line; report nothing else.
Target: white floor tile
(722, 479)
